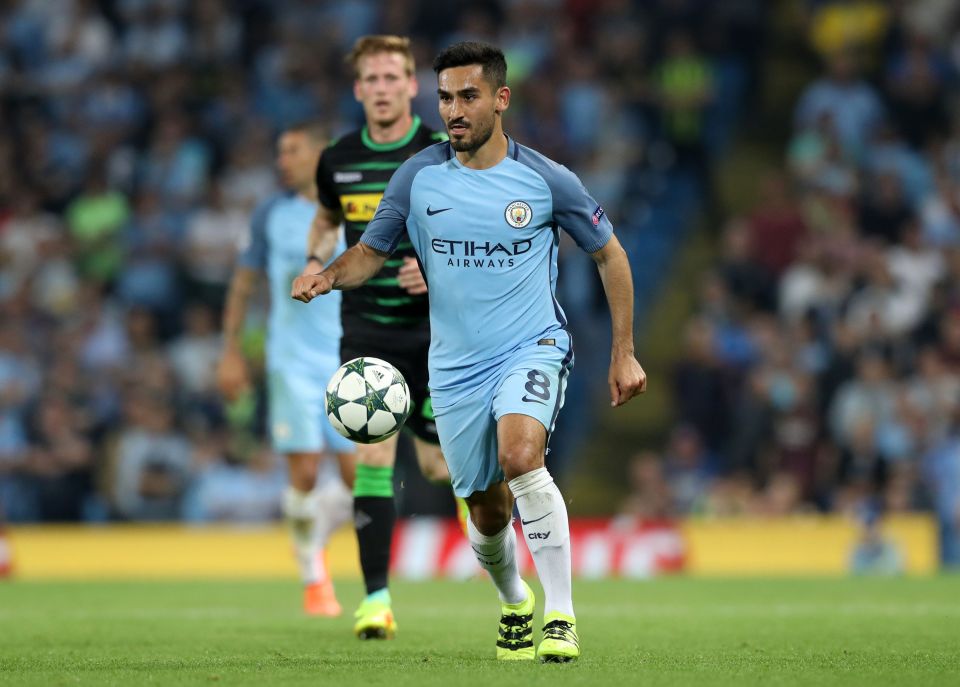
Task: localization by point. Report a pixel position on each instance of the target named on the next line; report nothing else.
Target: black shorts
(409, 355)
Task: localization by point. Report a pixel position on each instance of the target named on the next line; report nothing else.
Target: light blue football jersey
(299, 335)
(487, 242)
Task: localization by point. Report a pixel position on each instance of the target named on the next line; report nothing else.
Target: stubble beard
(474, 143)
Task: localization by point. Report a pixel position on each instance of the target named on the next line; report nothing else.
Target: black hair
(490, 57)
(312, 128)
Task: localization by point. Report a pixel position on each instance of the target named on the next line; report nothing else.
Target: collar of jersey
(395, 145)
(511, 154)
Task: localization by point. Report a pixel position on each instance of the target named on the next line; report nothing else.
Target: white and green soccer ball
(367, 400)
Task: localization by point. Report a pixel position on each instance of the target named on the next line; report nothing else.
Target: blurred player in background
(389, 317)
(303, 352)
(484, 215)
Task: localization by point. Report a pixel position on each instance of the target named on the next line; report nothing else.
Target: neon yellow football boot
(515, 642)
(375, 619)
(560, 643)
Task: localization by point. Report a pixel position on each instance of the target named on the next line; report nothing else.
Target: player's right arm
(232, 375)
(322, 241)
(350, 270)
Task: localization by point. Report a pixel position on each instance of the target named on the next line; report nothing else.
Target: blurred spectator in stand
(889, 152)
(20, 380)
(852, 104)
(650, 497)
(684, 88)
(940, 213)
(840, 24)
(152, 461)
(194, 356)
(176, 164)
(226, 492)
(746, 278)
(216, 33)
(775, 225)
(915, 82)
(24, 232)
(149, 277)
(688, 469)
(95, 220)
(941, 468)
(155, 36)
(818, 160)
(209, 249)
(61, 459)
(702, 387)
(248, 175)
(883, 208)
(874, 553)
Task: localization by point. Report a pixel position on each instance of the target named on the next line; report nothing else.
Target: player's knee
(377, 455)
(519, 458)
(490, 517)
(434, 469)
(302, 469)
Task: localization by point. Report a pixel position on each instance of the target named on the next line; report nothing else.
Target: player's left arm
(579, 214)
(626, 378)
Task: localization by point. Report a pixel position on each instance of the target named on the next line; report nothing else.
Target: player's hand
(232, 377)
(627, 379)
(307, 287)
(410, 278)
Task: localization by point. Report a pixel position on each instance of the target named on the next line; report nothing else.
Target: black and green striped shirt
(351, 177)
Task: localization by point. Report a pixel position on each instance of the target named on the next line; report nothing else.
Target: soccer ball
(367, 400)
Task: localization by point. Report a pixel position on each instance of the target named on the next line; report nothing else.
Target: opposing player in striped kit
(389, 317)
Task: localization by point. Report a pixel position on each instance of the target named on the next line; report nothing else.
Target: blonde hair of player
(374, 45)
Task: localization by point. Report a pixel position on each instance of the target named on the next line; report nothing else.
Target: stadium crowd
(819, 372)
(136, 139)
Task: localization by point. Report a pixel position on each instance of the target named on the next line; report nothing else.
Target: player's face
(384, 88)
(470, 106)
(297, 157)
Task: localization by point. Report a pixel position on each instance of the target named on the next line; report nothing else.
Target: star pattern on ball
(334, 402)
(357, 366)
(375, 400)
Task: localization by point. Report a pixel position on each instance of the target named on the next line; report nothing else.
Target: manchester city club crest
(518, 214)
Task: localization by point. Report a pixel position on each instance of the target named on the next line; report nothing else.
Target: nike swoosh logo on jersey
(527, 399)
(527, 522)
(431, 213)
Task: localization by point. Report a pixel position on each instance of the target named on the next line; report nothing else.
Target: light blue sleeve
(253, 253)
(574, 209)
(389, 223)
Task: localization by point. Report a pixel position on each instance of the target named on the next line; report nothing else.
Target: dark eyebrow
(469, 90)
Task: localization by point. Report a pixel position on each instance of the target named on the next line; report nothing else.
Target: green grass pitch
(664, 632)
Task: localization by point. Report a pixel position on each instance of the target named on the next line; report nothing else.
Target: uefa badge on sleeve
(518, 214)
(597, 214)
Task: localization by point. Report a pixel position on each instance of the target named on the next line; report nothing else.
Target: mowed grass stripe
(664, 632)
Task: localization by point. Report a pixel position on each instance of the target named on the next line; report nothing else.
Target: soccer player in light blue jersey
(484, 215)
(303, 352)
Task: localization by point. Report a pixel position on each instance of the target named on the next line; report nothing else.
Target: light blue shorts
(298, 417)
(530, 382)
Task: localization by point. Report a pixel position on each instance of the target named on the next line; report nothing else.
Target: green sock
(373, 481)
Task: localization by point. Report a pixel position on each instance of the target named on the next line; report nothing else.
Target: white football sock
(543, 515)
(334, 502)
(299, 509)
(497, 554)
